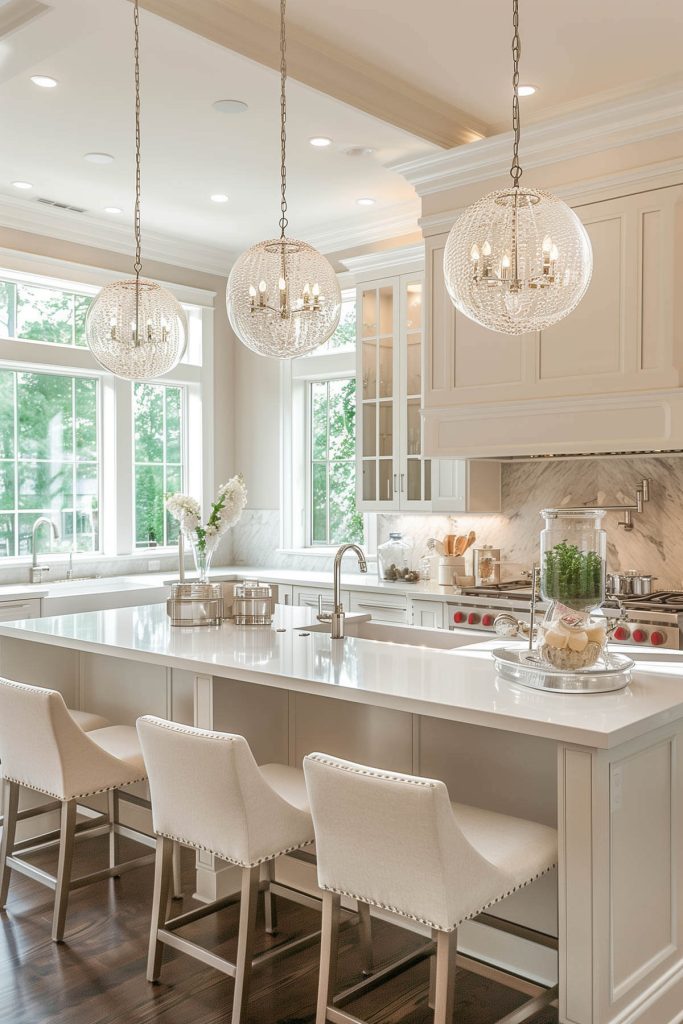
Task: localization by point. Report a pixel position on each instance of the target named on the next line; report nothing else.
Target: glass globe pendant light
(283, 296)
(135, 328)
(517, 260)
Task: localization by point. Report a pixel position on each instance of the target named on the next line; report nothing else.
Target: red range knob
(640, 636)
(621, 633)
(487, 620)
(458, 617)
(658, 639)
(472, 618)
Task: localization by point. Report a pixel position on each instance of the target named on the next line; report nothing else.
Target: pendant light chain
(137, 266)
(515, 169)
(283, 120)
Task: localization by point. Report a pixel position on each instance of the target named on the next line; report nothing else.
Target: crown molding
(605, 126)
(84, 229)
(593, 190)
(394, 222)
(388, 259)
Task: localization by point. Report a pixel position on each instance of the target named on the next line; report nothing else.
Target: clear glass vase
(573, 575)
(203, 554)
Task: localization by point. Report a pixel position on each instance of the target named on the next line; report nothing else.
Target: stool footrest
(383, 974)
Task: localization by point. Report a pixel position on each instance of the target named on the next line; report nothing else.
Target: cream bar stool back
(209, 793)
(396, 842)
(44, 749)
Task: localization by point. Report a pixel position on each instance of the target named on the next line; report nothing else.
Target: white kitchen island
(606, 768)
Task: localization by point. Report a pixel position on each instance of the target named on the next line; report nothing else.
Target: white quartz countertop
(460, 685)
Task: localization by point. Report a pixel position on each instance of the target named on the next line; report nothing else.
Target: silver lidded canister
(253, 604)
(195, 604)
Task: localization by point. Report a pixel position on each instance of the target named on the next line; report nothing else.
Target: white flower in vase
(226, 511)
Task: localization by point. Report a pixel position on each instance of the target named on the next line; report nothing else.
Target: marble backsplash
(655, 545)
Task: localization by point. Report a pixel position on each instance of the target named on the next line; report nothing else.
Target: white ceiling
(577, 53)
(189, 150)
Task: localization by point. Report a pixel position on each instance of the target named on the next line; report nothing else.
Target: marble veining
(654, 546)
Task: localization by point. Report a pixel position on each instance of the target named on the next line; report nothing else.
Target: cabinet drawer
(28, 609)
(382, 607)
(307, 597)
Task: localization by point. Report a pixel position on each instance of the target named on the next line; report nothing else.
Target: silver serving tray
(525, 667)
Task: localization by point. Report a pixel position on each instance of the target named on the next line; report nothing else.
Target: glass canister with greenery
(573, 574)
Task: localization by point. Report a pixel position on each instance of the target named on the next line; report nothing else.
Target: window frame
(295, 438)
(115, 400)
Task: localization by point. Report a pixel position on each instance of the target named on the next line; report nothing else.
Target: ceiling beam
(248, 28)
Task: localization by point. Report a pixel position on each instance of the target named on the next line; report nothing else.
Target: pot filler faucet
(336, 617)
(38, 570)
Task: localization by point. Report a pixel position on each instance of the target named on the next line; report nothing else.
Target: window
(158, 431)
(334, 516)
(94, 453)
(319, 444)
(39, 313)
(49, 456)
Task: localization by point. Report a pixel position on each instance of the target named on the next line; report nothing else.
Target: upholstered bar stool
(396, 842)
(208, 793)
(44, 749)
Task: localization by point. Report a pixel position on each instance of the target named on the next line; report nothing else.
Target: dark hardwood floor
(98, 975)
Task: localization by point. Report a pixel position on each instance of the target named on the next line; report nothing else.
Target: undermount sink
(409, 636)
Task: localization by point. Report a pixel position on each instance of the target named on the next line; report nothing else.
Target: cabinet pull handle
(403, 476)
(395, 483)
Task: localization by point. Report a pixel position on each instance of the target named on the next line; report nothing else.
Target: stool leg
(245, 943)
(269, 904)
(162, 884)
(67, 832)
(366, 938)
(444, 984)
(11, 809)
(177, 893)
(113, 813)
(329, 944)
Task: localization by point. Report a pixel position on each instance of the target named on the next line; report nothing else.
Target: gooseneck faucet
(336, 617)
(38, 570)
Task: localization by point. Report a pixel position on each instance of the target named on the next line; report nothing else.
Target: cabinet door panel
(592, 339)
(483, 357)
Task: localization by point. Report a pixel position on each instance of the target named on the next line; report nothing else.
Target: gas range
(652, 621)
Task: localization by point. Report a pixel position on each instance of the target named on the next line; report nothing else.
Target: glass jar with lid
(394, 556)
(573, 575)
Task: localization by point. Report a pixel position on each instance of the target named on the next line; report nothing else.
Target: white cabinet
(382, 607)
(19, 608)
(606, 378)
(427, 614)
(393, 472)
(307, 597)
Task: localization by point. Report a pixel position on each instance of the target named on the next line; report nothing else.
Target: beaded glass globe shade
(111, 329)
(283, 298)
(517, 261)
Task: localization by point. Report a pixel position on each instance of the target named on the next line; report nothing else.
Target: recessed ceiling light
(99, 158)
(219, 197)
(365, 201)
(44, 81)
(113, 209)
(320, 141)
(22, 184)
(526, 90)
(230, 106)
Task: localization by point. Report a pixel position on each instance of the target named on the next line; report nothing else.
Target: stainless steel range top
(653, 621)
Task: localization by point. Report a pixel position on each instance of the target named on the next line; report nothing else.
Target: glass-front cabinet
(392, 470)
